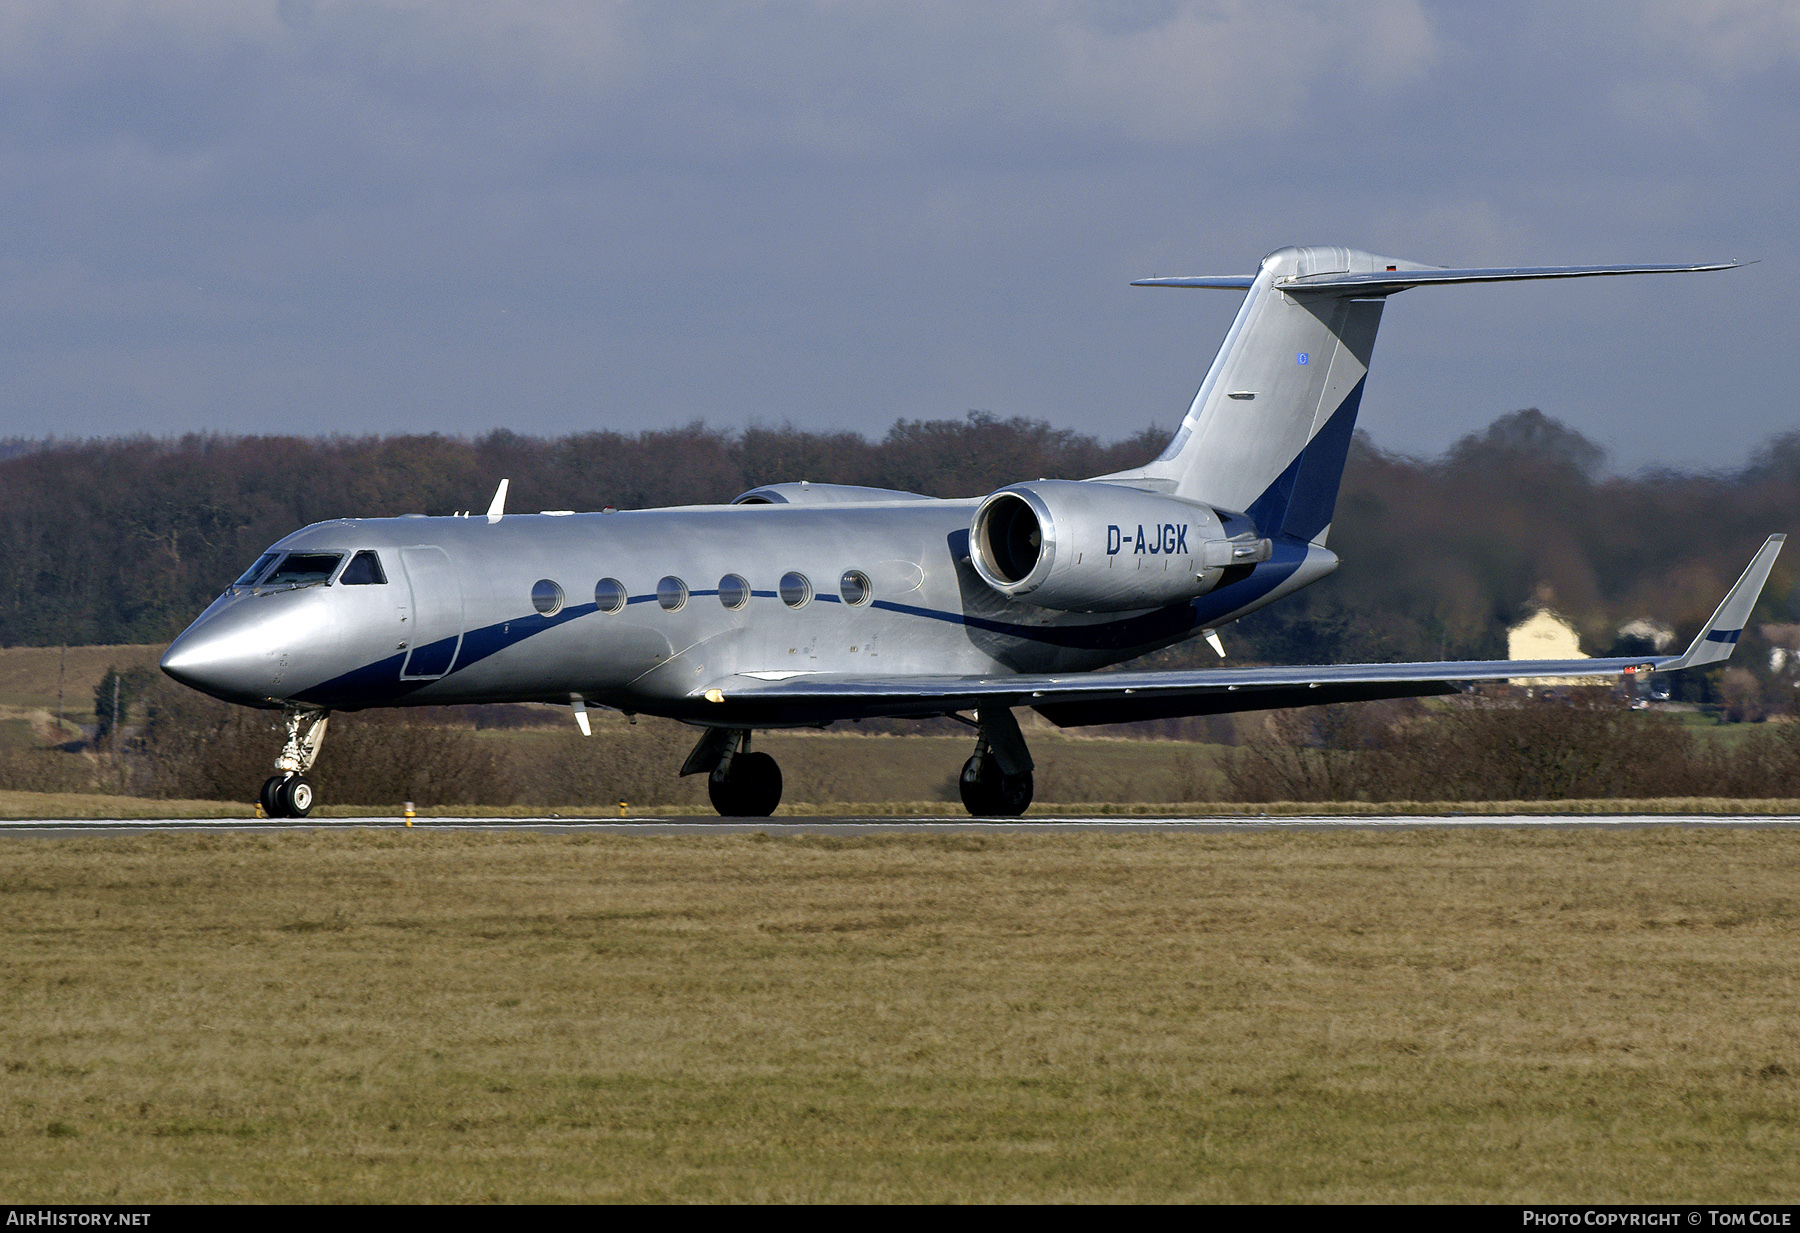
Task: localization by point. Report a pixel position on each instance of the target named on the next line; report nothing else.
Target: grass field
(28, 674)
(1500, 1016)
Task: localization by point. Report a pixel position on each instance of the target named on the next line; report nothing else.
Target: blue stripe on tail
(1301, 500)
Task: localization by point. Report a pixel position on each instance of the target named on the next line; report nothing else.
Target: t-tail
(1269, 431)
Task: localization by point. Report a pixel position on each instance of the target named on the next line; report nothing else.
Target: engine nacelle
(1079, 546)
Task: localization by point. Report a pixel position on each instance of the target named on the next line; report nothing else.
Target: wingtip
(1719, 635)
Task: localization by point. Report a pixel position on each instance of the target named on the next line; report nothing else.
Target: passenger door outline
(437, 613)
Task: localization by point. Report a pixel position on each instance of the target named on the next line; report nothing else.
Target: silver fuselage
(455, 621)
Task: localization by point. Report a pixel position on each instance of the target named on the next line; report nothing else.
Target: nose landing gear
(288, 793)
(741, 784)
(996, 780)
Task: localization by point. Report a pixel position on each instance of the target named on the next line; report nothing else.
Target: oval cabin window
(546, 597)
(795, 590)
(734, 592)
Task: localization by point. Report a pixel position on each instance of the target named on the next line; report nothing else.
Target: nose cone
(219, 656)
(253, 649)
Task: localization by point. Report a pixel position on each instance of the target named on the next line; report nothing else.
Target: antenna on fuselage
(497, 507)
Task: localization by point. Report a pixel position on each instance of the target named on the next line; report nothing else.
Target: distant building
(1784, 648)
(1545, 635)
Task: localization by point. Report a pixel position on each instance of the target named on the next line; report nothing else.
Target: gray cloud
(375, 216)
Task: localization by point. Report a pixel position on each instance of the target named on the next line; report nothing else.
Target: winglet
(497, 507)
(1717, 638)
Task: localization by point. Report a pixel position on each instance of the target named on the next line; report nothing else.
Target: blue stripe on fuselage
(373, 684)
(379, 683)
(478, 644)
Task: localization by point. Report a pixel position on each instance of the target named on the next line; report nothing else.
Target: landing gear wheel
(980, 787)
(1015, 794)
(750, 789)
(269, 796)
(989, 793)
(295, 796)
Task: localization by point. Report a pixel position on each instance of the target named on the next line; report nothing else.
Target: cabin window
(256, 571)
(672, 594)
(734, 592)
(854, 587)
(609, 595)
(299, 569)
(364, 570)
(795, 590)
(546, 597)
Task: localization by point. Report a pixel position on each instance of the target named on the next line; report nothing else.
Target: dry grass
(1431, 1016)
(15, 805)
(28, 674)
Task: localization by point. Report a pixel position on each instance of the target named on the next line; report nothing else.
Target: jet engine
(1080, 546)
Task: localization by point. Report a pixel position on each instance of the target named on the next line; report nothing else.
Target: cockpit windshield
(301, 568)
(256, 571)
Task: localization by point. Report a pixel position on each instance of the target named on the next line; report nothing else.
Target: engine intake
(1079, 546)
(1012, 537)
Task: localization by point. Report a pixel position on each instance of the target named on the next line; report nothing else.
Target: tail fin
(1270, 428)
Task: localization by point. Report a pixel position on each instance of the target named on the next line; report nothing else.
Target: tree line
(126, 540)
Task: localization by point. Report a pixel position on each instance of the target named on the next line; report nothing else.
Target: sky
(314, 216)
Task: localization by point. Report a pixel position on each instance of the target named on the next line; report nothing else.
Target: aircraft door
(437, 614)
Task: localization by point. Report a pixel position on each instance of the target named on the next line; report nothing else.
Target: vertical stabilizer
(1269, 431)
(1270, 428)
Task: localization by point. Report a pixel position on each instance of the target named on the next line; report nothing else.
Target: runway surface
(54, 828)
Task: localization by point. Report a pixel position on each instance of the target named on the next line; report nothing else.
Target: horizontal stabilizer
(1387, 282)
(1219, 282)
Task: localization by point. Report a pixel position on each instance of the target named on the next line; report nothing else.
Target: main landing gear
(996, 780)
(741, 784)
(288, 793)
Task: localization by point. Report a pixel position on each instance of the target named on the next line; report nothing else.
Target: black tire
(987, 793)
(751, 790)
(297, 798)
(1014, 796)
(979, 786)
(269, 797)
(722, 791)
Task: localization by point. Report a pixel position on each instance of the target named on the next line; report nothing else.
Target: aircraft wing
(1079, 698)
